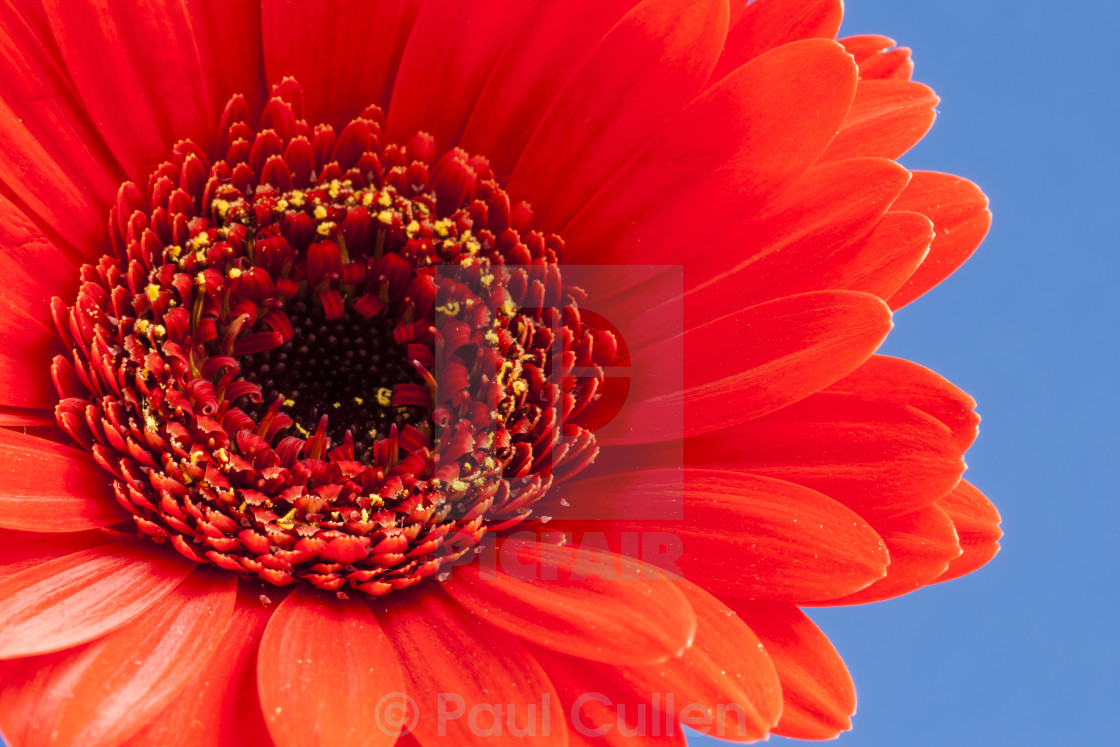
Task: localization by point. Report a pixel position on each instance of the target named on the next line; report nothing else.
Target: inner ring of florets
(320, 359)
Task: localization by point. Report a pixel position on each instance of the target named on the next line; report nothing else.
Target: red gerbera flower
(449, 370)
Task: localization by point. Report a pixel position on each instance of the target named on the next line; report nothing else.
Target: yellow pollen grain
(486, 280)
(153, 292)
(336, 405)
(492, 337)
(451, 308)
(334, 189)
(285, 521)
(302, 431)
(159, 330)
(520, 387)
(412, 228)
(289, 402)
(473, 246)
(442, 228)
(223, 207)
(508, 308)
(359, 401)
(325, 228)
(385, 216)
(297, 198)
(384, 396)
(280, 206)
(320, 212)
(234, 273)
(385, 199)
(173, 252)
(223, 456)
(459, 486)
(367, 199)
(141, 325)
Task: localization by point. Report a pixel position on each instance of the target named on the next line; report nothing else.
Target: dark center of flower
(322, 359)
(345, 369)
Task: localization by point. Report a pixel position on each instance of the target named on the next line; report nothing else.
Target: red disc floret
(324, 358)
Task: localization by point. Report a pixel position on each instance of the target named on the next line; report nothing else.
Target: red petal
(750, 363)
(905, 382)
(652, 63)
(614, 737)
(15, 416)
(140, 75)
(101, 694)
(724, 685)
(817, 691)
(47, 487)
(322, 657)
(229, 42)
(885, 260)
(977, 523)
(921, 545)
(219, 706)
(34, 270)
(51, 158)
(444, 67)
(878, 59)
(762, 127)
(601, 720)
(736, 533)
(800, 237)
(887, 118)
(79, 597)
(877, 457)
(337, 83)
(455, 664)
(959, 211)
(20, 551)
(544, 594)
(28, 346)
(766, 24)
(864, 46)
(529, 75)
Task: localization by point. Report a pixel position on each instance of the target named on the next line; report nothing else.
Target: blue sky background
(1023, 652)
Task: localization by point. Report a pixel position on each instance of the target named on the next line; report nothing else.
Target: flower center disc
(322, 360)
(345, 369)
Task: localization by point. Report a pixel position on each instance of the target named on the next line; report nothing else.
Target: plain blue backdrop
(1023, 652)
